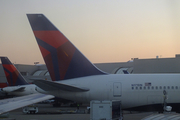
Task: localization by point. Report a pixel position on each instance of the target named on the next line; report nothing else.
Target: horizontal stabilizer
(19, 89)
(36, 79)
(50, 86)
(13, 89)
(7, 105)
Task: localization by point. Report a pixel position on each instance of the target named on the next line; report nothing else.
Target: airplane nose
(1, 89)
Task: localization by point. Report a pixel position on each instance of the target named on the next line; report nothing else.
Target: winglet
(62, 58)
(13, 76)
(50, 86)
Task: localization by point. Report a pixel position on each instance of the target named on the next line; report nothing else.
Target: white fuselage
(13, 90)
(132, 90)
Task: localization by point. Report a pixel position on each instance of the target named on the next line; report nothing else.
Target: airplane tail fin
(63, 59)
(13, 76)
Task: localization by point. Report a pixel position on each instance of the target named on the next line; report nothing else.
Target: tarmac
(48, 112)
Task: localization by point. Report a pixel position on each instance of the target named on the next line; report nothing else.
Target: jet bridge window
(24, 73)
(47, 74)
(37, 73)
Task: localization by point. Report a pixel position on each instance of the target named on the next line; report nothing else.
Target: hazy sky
(103, 30)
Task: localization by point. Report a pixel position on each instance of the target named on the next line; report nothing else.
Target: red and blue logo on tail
(13, 76)
(63, 59)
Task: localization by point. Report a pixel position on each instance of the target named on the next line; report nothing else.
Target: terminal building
(135, 66)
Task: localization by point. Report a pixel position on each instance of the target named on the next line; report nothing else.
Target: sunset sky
(103, 30)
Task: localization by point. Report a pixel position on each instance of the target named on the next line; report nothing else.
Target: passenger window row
(155, 87)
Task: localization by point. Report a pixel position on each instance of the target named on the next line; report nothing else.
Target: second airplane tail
(63, 59)
(13, 76)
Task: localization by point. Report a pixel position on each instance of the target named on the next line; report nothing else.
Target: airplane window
(144, 87)
(168, 87)
(140, 88)
(136, 87)
(133, 88)
(148, 87)
(176, 87)
(160, 87)
(152, 87)
(156, 87)
(47, 74)
(172, 87)
(164, 87)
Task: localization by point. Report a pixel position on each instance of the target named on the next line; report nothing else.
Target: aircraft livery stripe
(52, 56)
(9, 77)
(53, 38)
(10, 67)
